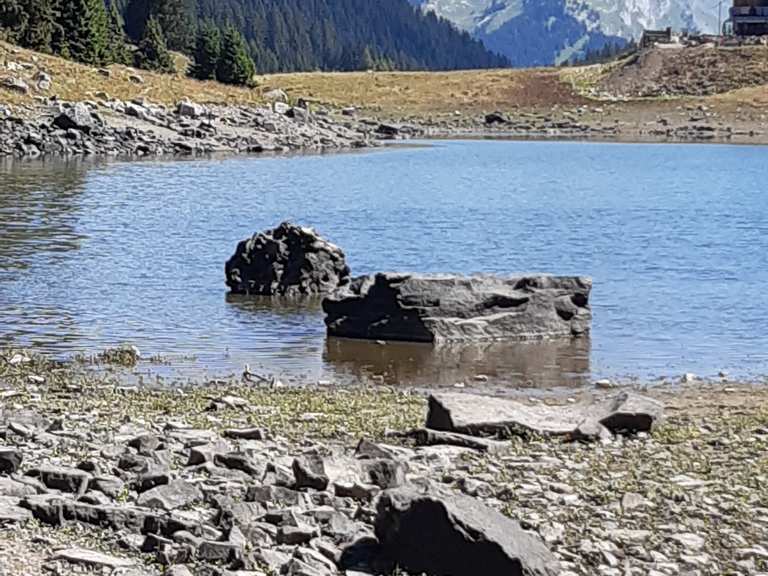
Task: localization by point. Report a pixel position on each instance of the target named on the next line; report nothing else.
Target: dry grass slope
(387, 92)
(419, 94)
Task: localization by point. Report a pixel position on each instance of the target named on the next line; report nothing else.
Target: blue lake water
(675, 238)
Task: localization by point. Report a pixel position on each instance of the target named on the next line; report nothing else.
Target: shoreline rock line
(141, 128)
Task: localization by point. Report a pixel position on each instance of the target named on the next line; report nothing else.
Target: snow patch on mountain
(545, 32)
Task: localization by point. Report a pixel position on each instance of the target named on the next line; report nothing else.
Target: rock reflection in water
(537, 364)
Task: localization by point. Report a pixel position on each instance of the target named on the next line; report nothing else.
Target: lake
(675, 237)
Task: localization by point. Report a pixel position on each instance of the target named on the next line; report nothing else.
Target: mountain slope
(545, 32)
(299, 35)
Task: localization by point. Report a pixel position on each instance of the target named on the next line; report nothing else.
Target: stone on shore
(309, 471)
(455, 536)
(60, 478)
(77, 117)
(189, 109)
(426, 437)
(10, 460)
(92, 558)
(288, 261)
(474, 414)
(418, 308)
(15, 85)
(176, 494)
(495, 118)
(276, 95)
(11, 512)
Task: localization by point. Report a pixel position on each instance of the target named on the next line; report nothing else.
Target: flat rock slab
(175, 494)
(60, 478)
(11, 512)
(474, 414)
(92, 558)
(427, 437)
(415, 308)
(53, 509)
(455, 536)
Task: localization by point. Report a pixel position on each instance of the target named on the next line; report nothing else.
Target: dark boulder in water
(287, 261)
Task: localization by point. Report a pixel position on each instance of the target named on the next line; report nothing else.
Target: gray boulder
(276, 95)
(77, 117)
(309, 471)
(10, 460)
(175, 494)
(454, 308)
(92, 558)
(288, 261)
(455, 536)
(189, 109)
(14, 85)
(495, 118)
(44, 81)
(53, 509)
(486, 415)
(60, 478)
(11, 512)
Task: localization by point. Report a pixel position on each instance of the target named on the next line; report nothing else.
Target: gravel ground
(691, 498)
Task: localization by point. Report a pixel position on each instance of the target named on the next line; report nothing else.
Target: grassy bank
(391, 93)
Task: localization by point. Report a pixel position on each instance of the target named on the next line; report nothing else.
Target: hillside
(721, 74)
(305, 35)
(692, 71)
(546, 32)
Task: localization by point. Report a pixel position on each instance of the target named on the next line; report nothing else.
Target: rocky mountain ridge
(546, 32)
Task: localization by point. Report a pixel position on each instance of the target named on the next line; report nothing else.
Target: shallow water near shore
(94, 255)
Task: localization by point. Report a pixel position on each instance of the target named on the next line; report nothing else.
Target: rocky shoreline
(243, 478)
(141, 128)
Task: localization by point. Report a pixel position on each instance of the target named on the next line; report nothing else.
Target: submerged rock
(457, 536)
(455, 308)
(288, 261)
(485, 415)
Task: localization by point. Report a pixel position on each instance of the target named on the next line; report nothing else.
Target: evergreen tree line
(93, 32)
(83, 30)
(611, 50)
(87, 31)
(300, 35)
(230, 39)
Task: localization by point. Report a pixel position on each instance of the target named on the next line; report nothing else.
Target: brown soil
(693, 71)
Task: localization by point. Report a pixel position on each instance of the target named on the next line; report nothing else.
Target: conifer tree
(13, 20)
(153, 52)
(176, 18)
(84, 30)
(207, 51)
(235, 65)
(117, 48)
(367, 61)
(40, 25)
